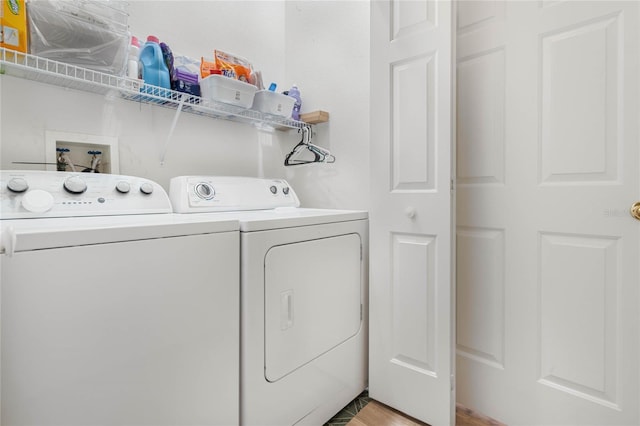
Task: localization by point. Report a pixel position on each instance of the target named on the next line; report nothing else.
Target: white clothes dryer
(303, 297)
(114, 310)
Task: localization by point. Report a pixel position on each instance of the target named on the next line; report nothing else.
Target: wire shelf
(70, 76)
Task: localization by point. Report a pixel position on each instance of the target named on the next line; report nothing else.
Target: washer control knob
(17, 185)
(285, 190)
(37, 201)
(75, 185)
(146, 188)
(123, 187)
(273, 189)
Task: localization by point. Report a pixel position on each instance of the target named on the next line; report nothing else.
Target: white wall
(320, 45)
(327, 54)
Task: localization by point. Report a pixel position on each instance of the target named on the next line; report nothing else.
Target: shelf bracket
(172, 128)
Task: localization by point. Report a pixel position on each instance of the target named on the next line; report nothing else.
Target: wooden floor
(377, 414)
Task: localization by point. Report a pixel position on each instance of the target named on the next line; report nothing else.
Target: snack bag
(206, 67)
(234, 66)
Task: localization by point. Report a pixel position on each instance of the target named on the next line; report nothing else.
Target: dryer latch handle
(286, 309)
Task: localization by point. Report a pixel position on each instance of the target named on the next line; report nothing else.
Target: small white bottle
(134, 53)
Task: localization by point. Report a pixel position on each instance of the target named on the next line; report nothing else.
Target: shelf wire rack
(56, 73)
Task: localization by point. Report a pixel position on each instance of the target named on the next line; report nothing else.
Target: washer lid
(34, 234)
(291, 217)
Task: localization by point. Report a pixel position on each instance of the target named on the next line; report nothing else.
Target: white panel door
(547, 169)
(411, 343)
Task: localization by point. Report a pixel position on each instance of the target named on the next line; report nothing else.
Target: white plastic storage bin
(273, 103)
(227, 90)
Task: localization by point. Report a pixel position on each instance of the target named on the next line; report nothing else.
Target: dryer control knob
(146, 188)
(285, 190)
(123, 187)
(17, 185)
(273, 189)
(37, 201)
(205, 191)
(75, 185)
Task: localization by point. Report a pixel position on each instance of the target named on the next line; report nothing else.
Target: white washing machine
(114, 310)
(303, 297)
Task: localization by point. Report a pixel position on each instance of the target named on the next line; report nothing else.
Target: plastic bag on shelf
(234, 66)
(87, 34)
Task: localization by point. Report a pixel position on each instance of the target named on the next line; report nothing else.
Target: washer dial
(17, 184)
(75, 185)
(123, 187)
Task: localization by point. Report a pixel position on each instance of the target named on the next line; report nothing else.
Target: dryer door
(313, 300)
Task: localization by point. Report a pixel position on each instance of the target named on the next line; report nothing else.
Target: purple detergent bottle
(294, 92)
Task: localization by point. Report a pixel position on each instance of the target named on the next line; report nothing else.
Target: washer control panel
(192, 194)
(33, 194)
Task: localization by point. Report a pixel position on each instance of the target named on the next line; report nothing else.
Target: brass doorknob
(635, 210)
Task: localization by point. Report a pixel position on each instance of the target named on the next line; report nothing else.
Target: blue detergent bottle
(153, 68)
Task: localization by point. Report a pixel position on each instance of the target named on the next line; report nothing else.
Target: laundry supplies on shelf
(153, 68)
(218, 88)
(294, 92)
(270, 102)
(13, 25)
(88, 34)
